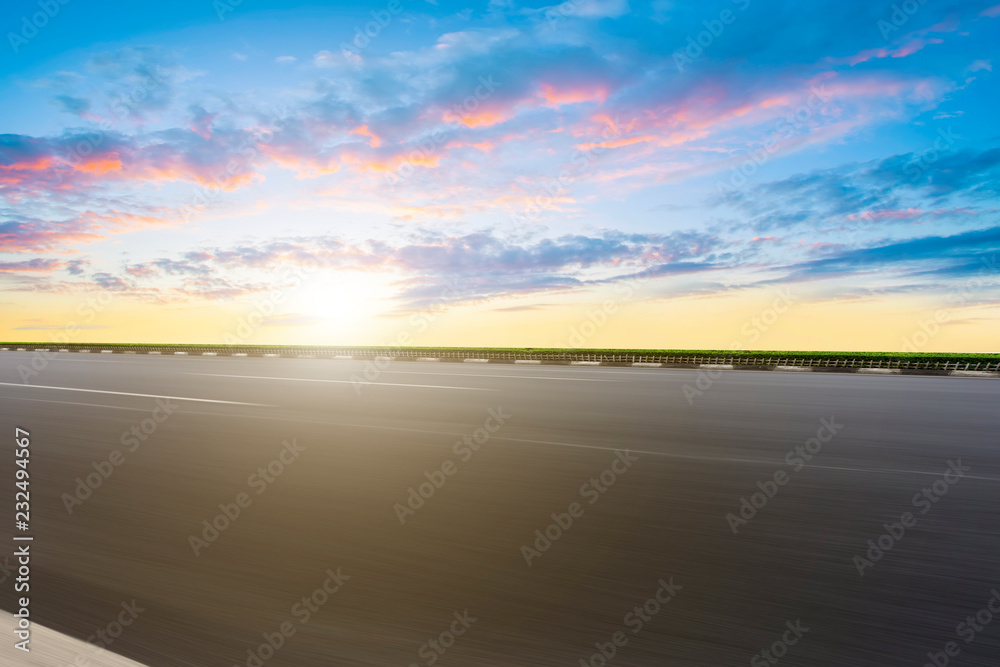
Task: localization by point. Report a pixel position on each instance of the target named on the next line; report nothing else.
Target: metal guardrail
(831, 361)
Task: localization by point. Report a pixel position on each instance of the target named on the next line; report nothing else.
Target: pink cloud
(554, 96)
(909, 48)
(373, 139)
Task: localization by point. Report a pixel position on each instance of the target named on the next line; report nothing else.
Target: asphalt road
(641, 478)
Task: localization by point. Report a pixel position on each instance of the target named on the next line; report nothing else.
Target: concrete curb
(974, 374)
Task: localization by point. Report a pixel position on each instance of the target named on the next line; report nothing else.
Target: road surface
(644, 550)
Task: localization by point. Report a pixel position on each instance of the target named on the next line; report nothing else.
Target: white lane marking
(53, 649)
(891, 471)
(671, 455)
(488, 375)
(95, 360)
(86, 405)
(374, 384)
(126, 393)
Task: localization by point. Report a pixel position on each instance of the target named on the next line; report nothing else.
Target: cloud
(37, 265)
(21, 234)
(61, 327)
(140, 83)
(958, 255)
(201, 121)
(73, 105)
(111, 283)
(873, 190)
(519, 309)
(486, 265)
(167, 267)
(590, 9)
(31, 166)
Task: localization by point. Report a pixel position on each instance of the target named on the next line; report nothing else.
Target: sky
(733, 174)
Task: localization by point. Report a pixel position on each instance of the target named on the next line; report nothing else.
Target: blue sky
(180, 159)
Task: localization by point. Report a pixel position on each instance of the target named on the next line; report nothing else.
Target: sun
(342, 298)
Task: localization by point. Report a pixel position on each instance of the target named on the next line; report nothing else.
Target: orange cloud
(101, 165)
(374, 140)
(555, 98)
(303, 167)
(484, 118)
(617, 143)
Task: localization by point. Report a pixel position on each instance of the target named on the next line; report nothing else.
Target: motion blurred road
(441, 575)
